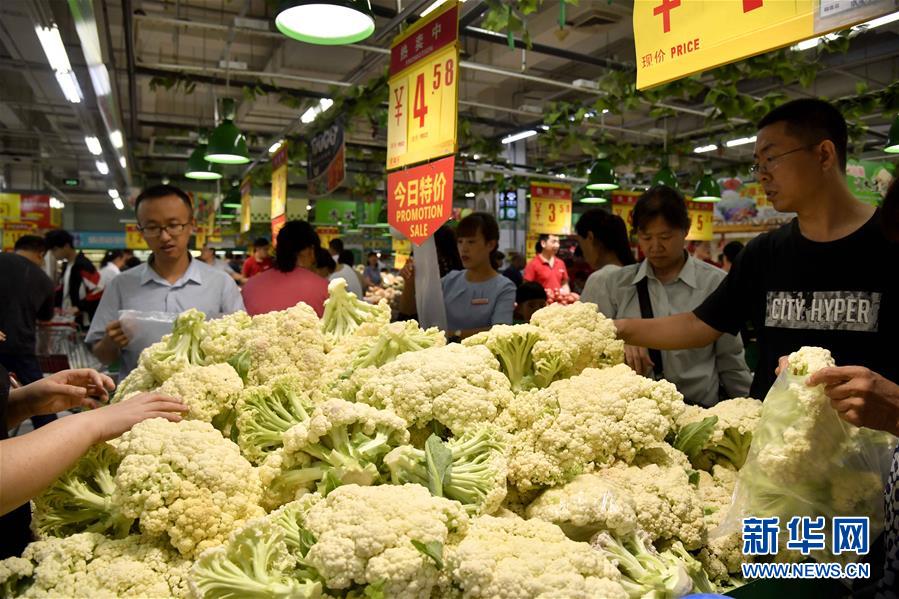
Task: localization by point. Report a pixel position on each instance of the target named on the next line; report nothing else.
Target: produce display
(352, 457)
(390, 289)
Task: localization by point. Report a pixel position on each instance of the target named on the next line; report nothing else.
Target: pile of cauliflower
(349, 456)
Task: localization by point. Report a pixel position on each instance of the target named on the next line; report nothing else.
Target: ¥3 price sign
(424, 87)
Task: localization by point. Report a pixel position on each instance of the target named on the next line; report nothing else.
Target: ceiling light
(666, 177)
(892, 146)
(116, 138)
(327, 22)
(470, 194)
(437, 4)
(275, 146)
(53, 47)
(56, 204)
(476, 157)
(312, 113)
(602, 176)
(100, 79)
(117, 202)
(102, 167)
(114, 194)
(741, 141)
(704, 149)
(707, 190)
(588, 196)
(93, 145)
(561, 175)
(227, 145)
(197, 165)
(519, 136)
(231, 205)
(68, 83)
(123, 162)
(872, 24)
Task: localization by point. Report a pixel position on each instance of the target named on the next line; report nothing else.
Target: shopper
(260, 260)
(31, 462)
(602, 237)
(514, 271)
(207, 255)
(529, 298)
(293, 279)
(670, 281)
(234, 261)
(131, 262)
(546, 267)
(111, 266)
(170, 281)
(80, 290)
(448, 260)
(372, 272)
(346, 272)
(25, 302)
(324, 263)
(829, 278)
(478, 297)
(729, 255)
(335, 246)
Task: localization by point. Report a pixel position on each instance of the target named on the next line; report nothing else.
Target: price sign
(246, 194)
(13, 231)
(424, 87)
(550, 210)
(420, 199)
(623, 203)
(401, 246)
(701, 219)
(326, 234)
(134, 239)
(279, 182)
(9, 206)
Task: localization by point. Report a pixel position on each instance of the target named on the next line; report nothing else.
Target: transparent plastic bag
(806, 461)
(145, 328)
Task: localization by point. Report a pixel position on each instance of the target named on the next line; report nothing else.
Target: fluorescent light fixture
(561, 175)
(741, 141)
(117, 202)
(879, 21)
(53, 47)
(544, 127)
(605, 111)
(704, 149)
(114, 194)
(102, 167)
(93, 145)
(312, 113)
(123, 162)
(476, 157)
(434, 6)
(470, 194)
(275, 147)
(68, 83)
(872, 24)
(116, 138)
(100, 79)
(519, 136)
(56, 204)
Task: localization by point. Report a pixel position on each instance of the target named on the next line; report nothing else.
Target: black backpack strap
(646, 312)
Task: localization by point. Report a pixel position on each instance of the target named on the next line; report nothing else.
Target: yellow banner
(677, 38)
(279, 183)
(246, 192)
(9, 207)
(134, 240)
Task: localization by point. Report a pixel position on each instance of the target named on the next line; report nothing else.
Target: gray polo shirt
(695, 372)
(141, 288)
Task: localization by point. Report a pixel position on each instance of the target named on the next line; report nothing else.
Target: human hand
(861, 396)
(638, 359)
(408, 272)
(113, 420)
(2, 336)
(116, 333)
(782, 363)
(82, 388)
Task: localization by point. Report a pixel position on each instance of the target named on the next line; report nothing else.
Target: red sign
(280, 157)
(36, 209)
(420, 199)
(423, 41)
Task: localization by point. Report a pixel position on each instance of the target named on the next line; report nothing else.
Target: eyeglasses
(151, 231)
(767, 166)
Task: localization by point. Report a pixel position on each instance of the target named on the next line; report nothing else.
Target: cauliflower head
(209, 391)
(266, 412)
(721, 434)
(576, 336)
(176, 350)
(344, 312)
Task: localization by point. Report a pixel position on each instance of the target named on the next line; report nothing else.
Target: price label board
(13, 231)
(326, 234)
(279, 184)
(623, 203)
(134, 240)
(701, 218)
(420, 199)
(9, 207)
(550, 210)
(424, 89)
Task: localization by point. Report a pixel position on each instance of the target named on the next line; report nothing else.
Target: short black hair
(30, 243)
(323, 259)
(336, 245)
(447, 250)
(477, 222)
(58, 238)
(731, 250)
(154, 192)
(609, 230)
(261, 242)
(529, 290)
(812, 121)
(293, 238)
(110, 256)
(661, 201)
(347, 257)
(370, 254)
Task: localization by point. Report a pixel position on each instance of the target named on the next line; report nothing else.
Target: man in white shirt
(111, 267)
(345, 271)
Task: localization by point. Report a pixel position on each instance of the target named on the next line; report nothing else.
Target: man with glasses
(829, 278)
(170, 281)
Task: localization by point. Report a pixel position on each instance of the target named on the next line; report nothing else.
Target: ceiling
(222, 45)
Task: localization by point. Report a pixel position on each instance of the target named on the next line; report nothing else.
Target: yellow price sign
(399, 260)
(134, 239)
(279, 182)
(550, 209)
(13, 231)
(623, 203)
(10, 207)
(424, 90)
(246, 193)
(701, 221)
(401, 246)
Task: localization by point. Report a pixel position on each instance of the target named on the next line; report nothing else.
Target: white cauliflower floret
(509, 558)
(722, 554)
(721, 434)
(344, 312)
(185, 482)
(459, 387)
(209, 391)
(587, 421)
(577, 336)
(176, 350)
(223, 338)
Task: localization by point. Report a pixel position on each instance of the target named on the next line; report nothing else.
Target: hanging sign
(326, 161)
(424, 89)
(13, 231)
(246, 194)
(134, 239)
(279, 190)
(623, 203)
(677, 38)
(326, 234)
(550, 210)
(420, 199)
(508, 205)
(26, 208)
(702, 215)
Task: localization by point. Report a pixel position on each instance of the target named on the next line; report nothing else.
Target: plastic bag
(806, 461)
(145, 328)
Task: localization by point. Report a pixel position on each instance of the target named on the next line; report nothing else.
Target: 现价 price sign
(702, 216)
(420, 199)
(623, 203)
(550, 209)
(424, 86)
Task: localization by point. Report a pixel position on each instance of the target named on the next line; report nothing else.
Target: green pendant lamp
(197, 166)
(325, 22)
(587, 196)
(707, 190)
(227, 145)
(602, 176)
(232, 198)
(892, 146)
(666, 176)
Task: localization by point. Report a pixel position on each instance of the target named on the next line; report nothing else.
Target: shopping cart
(60, 346)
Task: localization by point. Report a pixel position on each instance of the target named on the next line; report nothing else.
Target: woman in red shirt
(292, 280)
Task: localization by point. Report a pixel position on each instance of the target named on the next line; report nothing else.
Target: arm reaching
(681, 331)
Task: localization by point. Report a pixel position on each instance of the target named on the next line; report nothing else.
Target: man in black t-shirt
(830, 278)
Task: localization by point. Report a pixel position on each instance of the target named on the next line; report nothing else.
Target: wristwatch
(456, 337)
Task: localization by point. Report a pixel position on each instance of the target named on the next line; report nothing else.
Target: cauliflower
(386, 538)
(587, 421)
(509, 558)
(209, 392)
(644, 571)
(721, 434)
(265, 413)
(470, 469)
(139, 379)
(340, 443)
(576, 337)
(344, 312)
(722, 554)
(177, 350)
(185, 482)
(223, 338)
(91, 565)
(456, 386)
